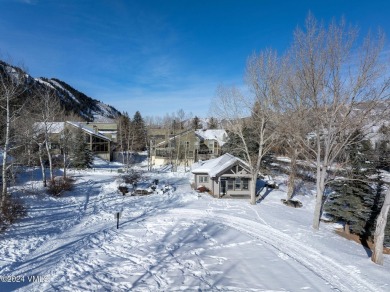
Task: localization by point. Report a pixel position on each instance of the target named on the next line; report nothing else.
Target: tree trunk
(50, 160)
(5, 154)
(346, 228)
(292, 176)
(178, 152)
(186, 154)
(320, 184)
(42, 165)
(64, 174)
(253, 188)
(379, 235)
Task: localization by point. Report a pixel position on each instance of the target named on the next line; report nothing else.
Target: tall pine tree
(353, 197)
(212, 123)
(139, 132)
(81, 155)
(196, 123)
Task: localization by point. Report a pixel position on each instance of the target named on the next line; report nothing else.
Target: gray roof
(216, 166)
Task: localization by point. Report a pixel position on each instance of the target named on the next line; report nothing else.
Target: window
(237, 184)
(245, 184)
(203, 179)
(230, 184)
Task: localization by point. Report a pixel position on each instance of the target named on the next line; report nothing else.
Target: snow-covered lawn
(176, 241)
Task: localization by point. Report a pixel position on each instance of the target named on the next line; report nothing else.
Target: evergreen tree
(352, 198)
(139, 132)
(212, 123)
(81, 155)
(382, 149)
(234, 144)
(196, 123)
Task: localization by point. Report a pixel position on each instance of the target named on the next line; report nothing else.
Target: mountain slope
(71, 99)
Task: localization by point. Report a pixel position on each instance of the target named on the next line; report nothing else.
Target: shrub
(12, 210)
(58, 185)
(292, 203)
(123, 189)
(131, 177)
(202, 189)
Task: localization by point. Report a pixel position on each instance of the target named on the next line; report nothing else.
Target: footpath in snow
(176, 241)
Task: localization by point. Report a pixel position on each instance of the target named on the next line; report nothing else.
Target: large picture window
(237, 184)
(203, 179)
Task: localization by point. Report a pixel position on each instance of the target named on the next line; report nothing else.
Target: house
(100, 144)
(185, 147)
(110, 130)
(210, 143)
(225, 176)
(178, 149)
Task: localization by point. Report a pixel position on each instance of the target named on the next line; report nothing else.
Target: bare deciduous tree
(49, 111)
(256, 111)
(13, 83)
(288, 145)
(66, 141)
(341, 87)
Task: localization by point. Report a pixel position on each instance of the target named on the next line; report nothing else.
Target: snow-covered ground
(176, 241)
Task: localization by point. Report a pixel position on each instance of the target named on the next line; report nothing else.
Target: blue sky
(159, 56)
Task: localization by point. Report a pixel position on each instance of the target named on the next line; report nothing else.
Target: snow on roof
(214, 167)
(219, 135)
(58, 127)
(52, 127)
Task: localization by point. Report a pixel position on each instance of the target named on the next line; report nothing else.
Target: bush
(124, 190)
(12, 210)
(132, 177)
(58, 185)
(202, 189)
(292, 203)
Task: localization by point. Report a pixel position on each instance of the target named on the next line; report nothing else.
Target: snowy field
(176, 241)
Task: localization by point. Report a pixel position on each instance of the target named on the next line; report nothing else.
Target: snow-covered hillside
(176, 241)
(79, 103)
(72, 100)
